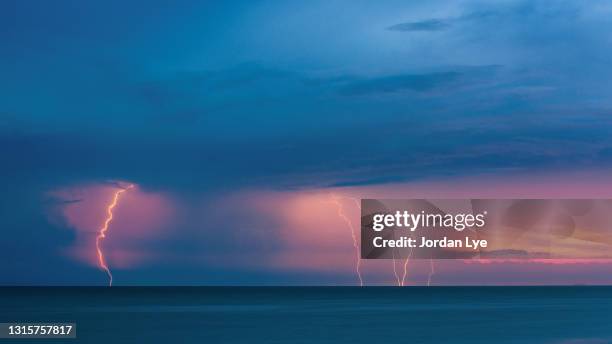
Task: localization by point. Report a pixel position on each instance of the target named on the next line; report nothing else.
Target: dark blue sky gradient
(200, 99)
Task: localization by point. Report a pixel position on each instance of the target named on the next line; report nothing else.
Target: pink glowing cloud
(308, 235)
(139, 218)
(315, 238)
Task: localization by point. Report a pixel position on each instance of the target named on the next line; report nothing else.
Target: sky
(248, 128)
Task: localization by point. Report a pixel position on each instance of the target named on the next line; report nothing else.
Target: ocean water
(568, 315)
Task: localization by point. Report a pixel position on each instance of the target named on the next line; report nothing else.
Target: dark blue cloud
(395, 83)
(423, 25)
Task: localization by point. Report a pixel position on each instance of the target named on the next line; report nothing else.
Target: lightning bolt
(403, 282)
(397, 278)
(432, 271)
(104, 229)
(336, 200)
(400, 281)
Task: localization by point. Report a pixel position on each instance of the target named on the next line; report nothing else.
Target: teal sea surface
(568, 315)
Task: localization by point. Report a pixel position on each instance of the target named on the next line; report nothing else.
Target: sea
(394, 315)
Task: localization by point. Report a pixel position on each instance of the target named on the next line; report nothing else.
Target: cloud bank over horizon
(205, 105)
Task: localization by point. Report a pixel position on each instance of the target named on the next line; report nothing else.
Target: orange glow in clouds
(312, 230)
(104, 229)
